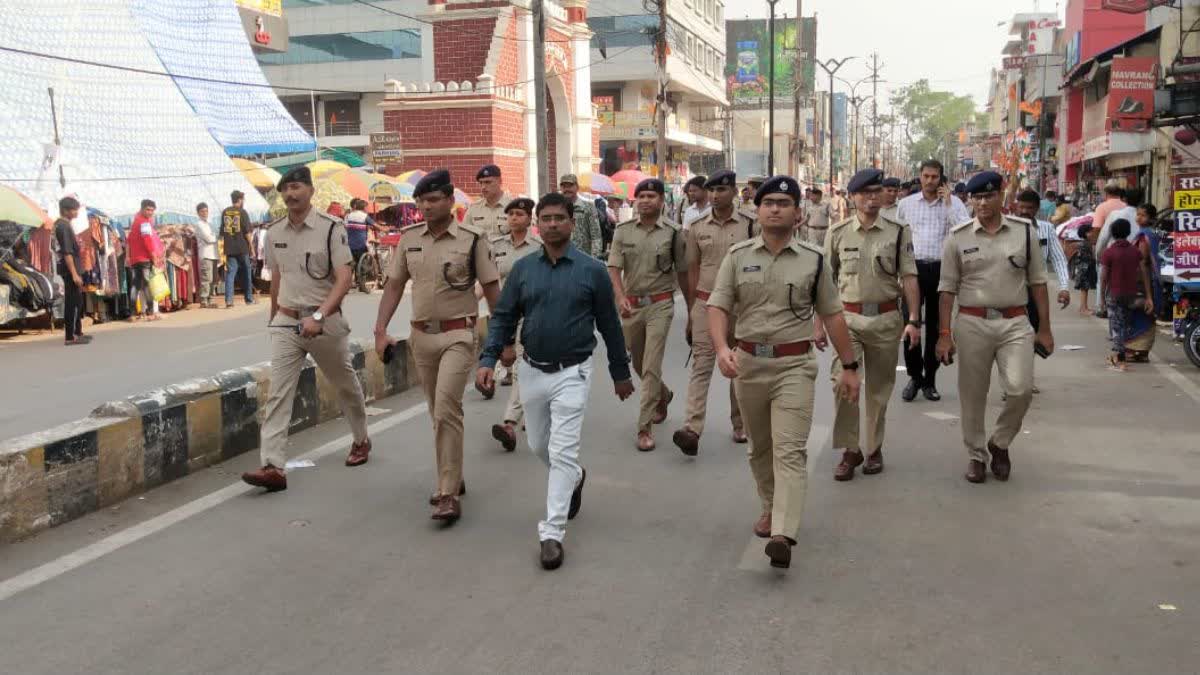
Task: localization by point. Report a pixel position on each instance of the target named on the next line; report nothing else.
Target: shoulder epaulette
(960, 226)
(810, 246)
(498, 239)
(471, 228)
(631, 221)
(844, 222)
(332, 219)
(411, 227)
(747, 243)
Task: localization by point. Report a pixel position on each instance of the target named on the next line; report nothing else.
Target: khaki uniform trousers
(1008, 343)
(815, 235)
(445, 362)
(776, 396)
(331, 352)
(876, 341)
(513, 411)
(704, 359)
(646, 337)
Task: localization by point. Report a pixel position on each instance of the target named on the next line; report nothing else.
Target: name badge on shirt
(414, 249)
(280, 245)
(752, 268)
(969, 251)
(501, 253)
(849, 250)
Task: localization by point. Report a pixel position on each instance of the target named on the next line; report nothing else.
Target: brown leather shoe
(506, 435)
(779, 550)
(874, 464)
(1001, 464)
(740, 436)
(762, 526)
(844, 471)
(687, 441)
(976, 472)
(462, 490)
(552, 554)
(660, 411)
(645, 442)
(269, 477)
(447, 510)
(577, 496)
(359, 453)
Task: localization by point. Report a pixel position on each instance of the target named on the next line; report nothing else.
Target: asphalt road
(50, 384)
(1086, 561)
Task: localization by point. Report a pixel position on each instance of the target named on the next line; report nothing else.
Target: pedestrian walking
(487, 214)
(775, 284)
(358, 229)
(209, 257)
(68, 268)
(930, 214)
(748, 191)
(1084, 270)
(508, 249)
(647, 265)
(1122, 277)
(699, 205)
(1142, 329)
(1028, 207)
(708, 242)
(235, 236)
(817, 216)
(144, 257)
(890, 197)
(587, 235)
(444, 260)
(988, 267)
(871, 259)
(309, 261)
(558, 298)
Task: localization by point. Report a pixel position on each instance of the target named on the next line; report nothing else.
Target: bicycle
(372, 266)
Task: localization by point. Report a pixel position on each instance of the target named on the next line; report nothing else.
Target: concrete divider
(126, 447)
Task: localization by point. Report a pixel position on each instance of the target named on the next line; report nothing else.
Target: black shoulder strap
(674, 239)
(1032, 224)
(899, 240)
(817, 281)
(471, 256)
(750, 229)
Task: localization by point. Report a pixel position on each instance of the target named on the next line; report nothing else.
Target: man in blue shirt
(563, 296)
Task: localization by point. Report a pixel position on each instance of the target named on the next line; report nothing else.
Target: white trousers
(554, 405)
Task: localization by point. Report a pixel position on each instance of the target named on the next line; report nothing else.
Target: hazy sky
(952, 43)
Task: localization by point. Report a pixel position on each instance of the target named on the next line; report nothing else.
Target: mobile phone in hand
(1040, 350)
(389, 353)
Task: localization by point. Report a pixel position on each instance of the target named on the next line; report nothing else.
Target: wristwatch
(318, 316)
(916, 323)
(850, 365)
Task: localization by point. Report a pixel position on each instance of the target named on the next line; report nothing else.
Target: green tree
(934, 118)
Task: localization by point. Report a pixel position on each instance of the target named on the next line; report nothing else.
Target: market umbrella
(597, 183)
(621, 189)
(259, 175)
(354, 181)
(20, 209)
(461, 198)
(326, 193)
(410, 177)
(324, 167)
(630, 176)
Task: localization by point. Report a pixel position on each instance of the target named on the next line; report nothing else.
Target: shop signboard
(1186, 236)
(1132, 6)
(386, 148)
(1131, 93)
(748, 57)
(604, 109)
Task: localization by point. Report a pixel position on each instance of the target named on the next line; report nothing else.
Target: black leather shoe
(552, 555)
(779, 550)
(931, 393)
(910, 390)
(976, 472)
(1001, 464)
(577, 497)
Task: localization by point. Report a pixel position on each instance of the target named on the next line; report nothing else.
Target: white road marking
(66, 563)
(941, 416)
(1177, 378)
(218, 343)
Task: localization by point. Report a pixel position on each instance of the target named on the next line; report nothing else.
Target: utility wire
(469, 32)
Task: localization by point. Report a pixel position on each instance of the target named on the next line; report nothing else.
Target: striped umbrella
(410, 177)
(596, 183)
(324, 167)
(20, 209)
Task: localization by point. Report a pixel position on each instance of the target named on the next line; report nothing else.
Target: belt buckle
(433, 327)
(641, 301)
(870, 309)
(992, 313)
(764, 351)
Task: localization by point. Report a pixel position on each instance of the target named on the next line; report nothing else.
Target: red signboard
(1132, 6)
(1131, 93)
(1014, 62)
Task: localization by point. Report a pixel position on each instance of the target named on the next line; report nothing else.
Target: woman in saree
(1142, 327)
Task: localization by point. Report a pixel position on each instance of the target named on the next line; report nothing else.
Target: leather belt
(703, 295)
(647, 300)
(304, 313)
(552, 367)
(993, 313)
(435, 327)
(871, 308)
(817, 227)
(775, 351)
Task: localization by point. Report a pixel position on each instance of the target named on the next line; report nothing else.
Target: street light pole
(771, 92)
(831, 66)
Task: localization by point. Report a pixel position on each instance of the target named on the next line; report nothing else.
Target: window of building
(342, 118)
(623, 31)
(380, 45)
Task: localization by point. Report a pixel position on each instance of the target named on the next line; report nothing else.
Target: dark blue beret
(524, 203)
(698, 181)
(434, 181)
(988, 181)
(785, 185)
(960, 187)
(488, 171)
(892, 182)
(722, 177)
(865, 179)
(300, 174)
(652, 184)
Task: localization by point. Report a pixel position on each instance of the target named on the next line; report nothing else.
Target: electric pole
(539, 96)
(770, 91)
(831, 66)
(795, 157)
(875, 107)
(660, 147)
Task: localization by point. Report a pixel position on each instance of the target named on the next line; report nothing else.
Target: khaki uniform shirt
(434, 264)
(767, 292)
(817, 215)
(866, 263)
(490, 220)
(507, 253)
(305, 265)
(643, 255)
(991, 270)
(749, 210)
(708, 241)
(892, 213)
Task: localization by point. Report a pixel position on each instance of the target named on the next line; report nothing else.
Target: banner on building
(1132, 6)
(1187, 231)
(1131, 93)
(272, 7)
(386, 148)
(605, 105)
(748, 58)
(1014, 62)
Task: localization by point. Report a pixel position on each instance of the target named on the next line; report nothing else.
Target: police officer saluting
(989, 265)
(309, 259)
(708, 240)
(444, 260)
(871, 257)
(774, 284)
(487, 214)
(646, 265)
(508, 249)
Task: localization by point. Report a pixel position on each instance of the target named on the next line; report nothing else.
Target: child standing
(1083, 268)
(1122, 276)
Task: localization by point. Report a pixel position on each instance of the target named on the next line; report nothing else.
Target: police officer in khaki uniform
(891, 196)
(748, 208)
(487, 214)
(817, 217)
(309, 259)
(774, 284)
(989, 265)
(871, 258)
(444, 260)
(708, 240)
(508, 249)
(646, 265)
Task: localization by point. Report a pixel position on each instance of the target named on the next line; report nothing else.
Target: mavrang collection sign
(272, 7)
